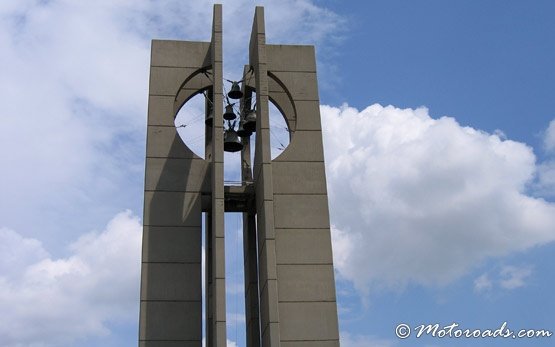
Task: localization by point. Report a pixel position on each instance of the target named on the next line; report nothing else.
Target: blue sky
(439, 131)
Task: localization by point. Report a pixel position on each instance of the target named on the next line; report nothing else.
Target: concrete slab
(301, 85)
(172, 209)
(170, 53)
(309, 321)
(306, 283)
(171, 320)
(308, 115)
(171, 281)
(291, 58)
(301, 211)
(164, 142)
(303, 246)
(299, 177)
(177, 174)
(168, 80)
(304, 146)
(161, 110)
(172, 244)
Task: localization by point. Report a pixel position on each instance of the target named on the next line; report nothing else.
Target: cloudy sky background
(439, 131)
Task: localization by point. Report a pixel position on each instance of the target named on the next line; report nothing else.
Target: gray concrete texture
(290, 295)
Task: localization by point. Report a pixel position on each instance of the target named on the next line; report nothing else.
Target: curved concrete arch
(194, 84)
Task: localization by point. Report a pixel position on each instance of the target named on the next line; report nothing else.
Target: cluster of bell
(232, 143)
(247, 122)
(247, 125)
(234, 93)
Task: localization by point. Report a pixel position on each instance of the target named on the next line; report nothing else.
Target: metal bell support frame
(235, 92)
(229, 114)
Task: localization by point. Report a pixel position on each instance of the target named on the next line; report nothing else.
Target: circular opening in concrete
(279, 131)
(189, 122)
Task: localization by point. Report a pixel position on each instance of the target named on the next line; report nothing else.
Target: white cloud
(48, 301)
(422, 200)
(549, 137)
(74, 97)
(482, 283)
(546, 179)
(508, 277)
(513, 277)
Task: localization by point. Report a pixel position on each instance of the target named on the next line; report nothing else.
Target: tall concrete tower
(289, 280)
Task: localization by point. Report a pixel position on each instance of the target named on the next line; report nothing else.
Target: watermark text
(454, 330)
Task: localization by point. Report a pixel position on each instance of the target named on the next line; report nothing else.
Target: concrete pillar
(267, 275)
(216, 159)
(170, 309)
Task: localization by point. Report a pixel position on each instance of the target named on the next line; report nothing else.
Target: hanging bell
(231, 141)
(241, 130)
(235, 92)
(209, 121)
(250, 121)
(229, 114)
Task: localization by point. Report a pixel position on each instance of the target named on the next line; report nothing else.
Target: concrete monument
(289, 280)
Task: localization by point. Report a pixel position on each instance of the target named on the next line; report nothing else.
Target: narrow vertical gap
(235, 284)
(203, 277)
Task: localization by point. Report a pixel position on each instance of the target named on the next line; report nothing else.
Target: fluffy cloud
(508, 277)
(514, 277)
(74, 97)
(47, 301)
(72, 130)
(549, 137)
(482, 283)
(416, 199)
(546, 179)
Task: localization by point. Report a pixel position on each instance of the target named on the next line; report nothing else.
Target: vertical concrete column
(306, 285)
(217, 305)
(269, 313)
(171, 292)
(250, 255)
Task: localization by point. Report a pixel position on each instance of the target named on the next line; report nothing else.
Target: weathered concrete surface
(290, 295)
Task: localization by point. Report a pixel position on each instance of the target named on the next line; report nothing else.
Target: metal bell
(235, 92)
(250, 121)
(231, 141)
(241, 130)
(209, 121)
(229, 114)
